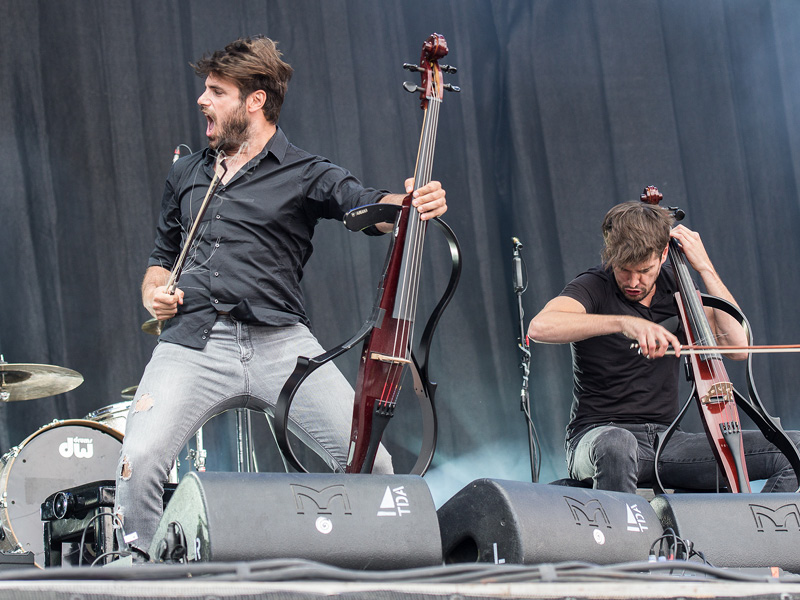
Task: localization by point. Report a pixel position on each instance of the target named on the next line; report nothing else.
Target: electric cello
(388, 334)
(712, 389)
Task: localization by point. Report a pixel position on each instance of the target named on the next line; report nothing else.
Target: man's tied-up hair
(633, 232)
(252, 64)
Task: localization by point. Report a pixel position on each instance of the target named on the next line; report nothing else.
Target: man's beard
(233, 132)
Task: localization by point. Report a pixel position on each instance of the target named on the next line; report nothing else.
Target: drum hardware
(30, 381)
(113, 415)
(245, 452)
(198, 454)
(129, 392)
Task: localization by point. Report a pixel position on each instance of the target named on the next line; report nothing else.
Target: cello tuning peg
(412, 67)
(677, 213)
(411, 87)
(451, 88)
(448, 69)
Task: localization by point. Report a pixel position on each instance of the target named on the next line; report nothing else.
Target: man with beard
(232, 332)
(622, 399)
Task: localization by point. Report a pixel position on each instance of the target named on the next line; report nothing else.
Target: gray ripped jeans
(242, 366)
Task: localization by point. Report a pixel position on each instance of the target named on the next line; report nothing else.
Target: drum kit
(68, 453)
(58, 456)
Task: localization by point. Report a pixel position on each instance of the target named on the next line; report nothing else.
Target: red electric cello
(389, 332)
(712, 389)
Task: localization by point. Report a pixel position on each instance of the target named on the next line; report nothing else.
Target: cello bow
(220, 168)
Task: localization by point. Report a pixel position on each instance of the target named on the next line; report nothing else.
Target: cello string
(408, 286)
(400, 293)
(700, 329)
(409, 279)
(416, 227)
(422, 226)
(706, 337)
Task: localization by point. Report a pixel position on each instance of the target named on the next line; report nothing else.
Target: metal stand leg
(524, 347)
(274, 437)
(244, 448)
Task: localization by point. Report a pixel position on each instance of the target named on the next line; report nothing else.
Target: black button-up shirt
(255, 236)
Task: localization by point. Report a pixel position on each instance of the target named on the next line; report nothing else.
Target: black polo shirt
(255, 237)
(612, 382)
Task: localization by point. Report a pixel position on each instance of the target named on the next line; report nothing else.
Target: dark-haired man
(623, 399)
(234, 328)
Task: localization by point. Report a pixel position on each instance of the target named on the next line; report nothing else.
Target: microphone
(176, 155)
(517, 266)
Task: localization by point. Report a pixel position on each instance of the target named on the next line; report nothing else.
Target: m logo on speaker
(591, 513)
(782, 518)
(323, 499)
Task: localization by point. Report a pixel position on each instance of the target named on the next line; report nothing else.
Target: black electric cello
(388, 334)
(712, 389)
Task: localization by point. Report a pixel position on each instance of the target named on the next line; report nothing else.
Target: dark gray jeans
(620, 457)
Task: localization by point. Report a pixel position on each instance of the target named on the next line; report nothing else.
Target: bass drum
(59, 456)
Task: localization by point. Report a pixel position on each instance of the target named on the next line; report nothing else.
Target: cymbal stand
(4, 393)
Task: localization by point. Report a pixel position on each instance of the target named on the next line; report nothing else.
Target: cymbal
(152, 326)
(29, 381)
(129, 392)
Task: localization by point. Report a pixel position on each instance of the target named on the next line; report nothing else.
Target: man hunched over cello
(624, 399)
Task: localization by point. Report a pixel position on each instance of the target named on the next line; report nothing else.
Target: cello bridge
(389, 359)
(730, 428)
(718, 393)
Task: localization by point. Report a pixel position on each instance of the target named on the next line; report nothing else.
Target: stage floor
(297, 579)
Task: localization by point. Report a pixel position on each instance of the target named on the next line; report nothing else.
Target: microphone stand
(525, 362)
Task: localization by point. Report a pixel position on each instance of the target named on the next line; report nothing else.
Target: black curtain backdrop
(567, 107)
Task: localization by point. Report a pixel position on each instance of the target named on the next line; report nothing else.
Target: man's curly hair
(253, 64)
(633, 232)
